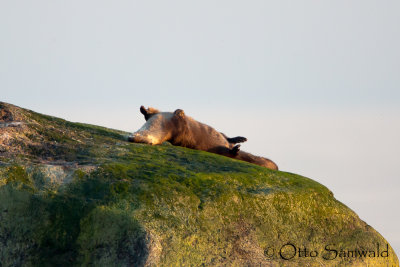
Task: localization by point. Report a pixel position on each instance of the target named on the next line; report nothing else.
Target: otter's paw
(235, 150)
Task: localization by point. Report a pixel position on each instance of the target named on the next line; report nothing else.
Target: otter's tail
(264, 162)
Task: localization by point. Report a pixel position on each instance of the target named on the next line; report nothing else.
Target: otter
(181, 130)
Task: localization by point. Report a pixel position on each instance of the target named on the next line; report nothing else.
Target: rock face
(76, 194)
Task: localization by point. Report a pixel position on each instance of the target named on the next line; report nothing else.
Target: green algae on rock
(73, 194)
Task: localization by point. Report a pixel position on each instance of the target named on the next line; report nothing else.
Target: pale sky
(313, 85)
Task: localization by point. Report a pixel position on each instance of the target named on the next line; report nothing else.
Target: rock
(10, 124)
(77, 194)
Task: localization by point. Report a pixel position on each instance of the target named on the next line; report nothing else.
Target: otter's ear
(148, 112)
(143, 110)
(179, 113)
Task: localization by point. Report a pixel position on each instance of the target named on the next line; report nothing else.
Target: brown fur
(181, 130)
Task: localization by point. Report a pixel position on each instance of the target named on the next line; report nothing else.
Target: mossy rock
(80, 195)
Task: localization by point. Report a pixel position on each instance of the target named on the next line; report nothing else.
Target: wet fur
(181, 130)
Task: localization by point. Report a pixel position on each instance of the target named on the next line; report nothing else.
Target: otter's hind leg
(235, 140)
(226, 151)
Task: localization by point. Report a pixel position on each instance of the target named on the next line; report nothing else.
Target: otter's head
(159, 126)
